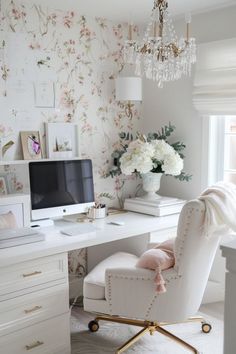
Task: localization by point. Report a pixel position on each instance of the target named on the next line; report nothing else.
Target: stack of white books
(156, 207)
(19, 236)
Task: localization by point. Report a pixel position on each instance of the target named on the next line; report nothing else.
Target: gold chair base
(150, 327)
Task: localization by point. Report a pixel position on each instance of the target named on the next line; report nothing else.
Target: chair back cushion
(194, 253)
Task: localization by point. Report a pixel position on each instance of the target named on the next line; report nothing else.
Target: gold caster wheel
(93, 326)
(206, 327)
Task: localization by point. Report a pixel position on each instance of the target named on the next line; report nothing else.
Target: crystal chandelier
(161, 56)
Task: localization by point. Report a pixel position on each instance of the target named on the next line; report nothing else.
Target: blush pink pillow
(159, 258)
(7, 221)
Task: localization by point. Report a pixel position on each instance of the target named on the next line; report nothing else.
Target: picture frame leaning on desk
(18, 205)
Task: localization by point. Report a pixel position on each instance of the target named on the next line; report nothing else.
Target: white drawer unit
(47, 337)
(31, 276)
(163, 235)
(34, 307)
(29, 309)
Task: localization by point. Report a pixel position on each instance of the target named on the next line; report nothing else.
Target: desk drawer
(31, 276)
(48, 337)
(163, 235)
(29, 309)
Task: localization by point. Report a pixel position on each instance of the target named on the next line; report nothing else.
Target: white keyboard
(15, 233)
(78, 229)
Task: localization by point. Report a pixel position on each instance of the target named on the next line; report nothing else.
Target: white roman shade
(215, 78)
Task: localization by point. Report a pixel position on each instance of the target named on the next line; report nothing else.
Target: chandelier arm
(161, 18)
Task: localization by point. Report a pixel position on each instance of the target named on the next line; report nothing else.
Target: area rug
(110, 336)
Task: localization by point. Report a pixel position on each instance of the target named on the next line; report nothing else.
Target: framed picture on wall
(44, 94)
(3, 186)
(31, 145)
(61, 140)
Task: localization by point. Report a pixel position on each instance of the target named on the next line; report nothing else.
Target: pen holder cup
(97, 213)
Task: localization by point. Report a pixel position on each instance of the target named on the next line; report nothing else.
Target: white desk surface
(135, 224)
(229, 248)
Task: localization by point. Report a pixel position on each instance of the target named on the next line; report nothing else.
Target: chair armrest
(130, 291)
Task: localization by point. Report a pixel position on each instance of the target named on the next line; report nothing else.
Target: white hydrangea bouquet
(154, 156)
(150, 154)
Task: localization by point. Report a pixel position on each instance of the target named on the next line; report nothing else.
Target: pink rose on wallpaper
(34, 46)
(70, 47)
(2, 130)
(86, 33)
(86, 128)
(67, 99)
(68, 19)
(118, 31)
(52, 18)
(102, 22)
(17, 15)
(4, 72)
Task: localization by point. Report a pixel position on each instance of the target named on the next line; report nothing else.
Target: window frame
(213, 157)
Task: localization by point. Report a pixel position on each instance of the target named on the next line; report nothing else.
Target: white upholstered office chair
(127, 294)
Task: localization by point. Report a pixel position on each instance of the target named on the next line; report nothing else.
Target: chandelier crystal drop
(161, 56)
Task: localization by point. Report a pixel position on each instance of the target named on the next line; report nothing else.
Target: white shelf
(25, 162)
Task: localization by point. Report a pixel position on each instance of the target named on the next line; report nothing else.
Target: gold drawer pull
(32, 274)
(34, 345)
(33, 309)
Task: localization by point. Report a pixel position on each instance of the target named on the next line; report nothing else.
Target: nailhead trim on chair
(182, 240)
(121, 276)
(167, 280)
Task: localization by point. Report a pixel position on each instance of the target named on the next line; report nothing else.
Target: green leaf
(184, 177)
(163, 134)
(178, 146)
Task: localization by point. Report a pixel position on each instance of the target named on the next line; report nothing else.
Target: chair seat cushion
(94, 282)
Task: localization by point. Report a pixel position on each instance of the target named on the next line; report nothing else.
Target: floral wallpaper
(81, 56)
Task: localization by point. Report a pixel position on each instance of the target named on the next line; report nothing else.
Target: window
(219, 149)
(229, 166)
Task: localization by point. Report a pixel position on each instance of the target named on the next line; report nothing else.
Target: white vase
(151, 184)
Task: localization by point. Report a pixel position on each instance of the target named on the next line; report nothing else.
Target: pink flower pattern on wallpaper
(85, 58)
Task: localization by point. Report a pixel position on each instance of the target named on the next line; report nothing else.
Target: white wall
(173, 103)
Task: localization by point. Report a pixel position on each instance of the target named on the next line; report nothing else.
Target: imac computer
(60, 188)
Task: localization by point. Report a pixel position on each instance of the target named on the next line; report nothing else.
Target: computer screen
(57, 185)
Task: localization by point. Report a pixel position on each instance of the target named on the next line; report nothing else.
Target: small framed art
(31, 145)
(44, 93)
(62, 140)
(3, 186)
(17, 205)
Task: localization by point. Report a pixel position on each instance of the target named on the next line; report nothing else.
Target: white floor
(215, 309)
(110, 336)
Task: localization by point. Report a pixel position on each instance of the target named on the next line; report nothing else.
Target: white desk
(34, 288)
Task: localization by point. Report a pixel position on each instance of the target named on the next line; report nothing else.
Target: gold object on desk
(114, 211)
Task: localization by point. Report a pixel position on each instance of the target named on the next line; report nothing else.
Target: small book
(160, 207)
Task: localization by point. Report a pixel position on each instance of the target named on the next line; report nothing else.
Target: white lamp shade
(129, 89)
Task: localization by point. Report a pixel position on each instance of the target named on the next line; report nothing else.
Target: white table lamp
(129, 89)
